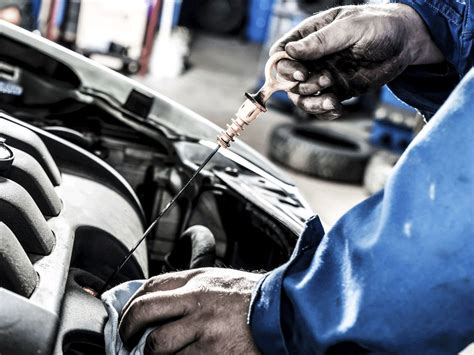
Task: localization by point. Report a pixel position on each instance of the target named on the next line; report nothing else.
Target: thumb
(332, 38)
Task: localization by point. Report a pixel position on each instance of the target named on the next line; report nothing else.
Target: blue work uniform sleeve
(450, 23)
(396, 273)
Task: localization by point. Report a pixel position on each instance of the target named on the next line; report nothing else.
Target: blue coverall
(396, 273)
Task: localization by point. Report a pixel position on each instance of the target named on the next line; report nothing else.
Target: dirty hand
(348, 50)
(201, 311)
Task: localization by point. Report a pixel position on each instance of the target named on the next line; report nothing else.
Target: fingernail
(328, 105)
(299, 76)
(324, 81)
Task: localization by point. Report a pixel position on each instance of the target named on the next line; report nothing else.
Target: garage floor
(221, 71)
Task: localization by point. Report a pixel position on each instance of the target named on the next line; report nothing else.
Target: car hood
(96, 82)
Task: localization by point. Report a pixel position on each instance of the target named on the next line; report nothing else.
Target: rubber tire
(320, 152)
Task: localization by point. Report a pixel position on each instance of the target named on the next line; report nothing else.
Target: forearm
(426, 87)
(422, 49)
(449, 23)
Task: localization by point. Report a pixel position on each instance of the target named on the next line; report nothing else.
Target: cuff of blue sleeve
(264, 314)
(265, 307)
(425, 87)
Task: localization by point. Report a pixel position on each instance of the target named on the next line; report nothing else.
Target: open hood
(82, 80)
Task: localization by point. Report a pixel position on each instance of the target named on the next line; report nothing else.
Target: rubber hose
(195, 248)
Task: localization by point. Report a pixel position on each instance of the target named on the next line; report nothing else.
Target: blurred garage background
(205, 54)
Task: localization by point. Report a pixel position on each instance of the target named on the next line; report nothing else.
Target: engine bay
(88, 158)
(70, 212)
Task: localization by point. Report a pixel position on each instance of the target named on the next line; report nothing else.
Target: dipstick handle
(247, 113)
(256, 103)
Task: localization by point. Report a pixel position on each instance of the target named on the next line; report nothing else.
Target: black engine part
(61, 209)
(195, 248)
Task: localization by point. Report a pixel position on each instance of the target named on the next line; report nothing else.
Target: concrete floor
(221, 71)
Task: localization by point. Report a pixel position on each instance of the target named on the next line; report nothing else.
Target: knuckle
(156, 282)
(160, 283)
(150, 285)
(136, 307)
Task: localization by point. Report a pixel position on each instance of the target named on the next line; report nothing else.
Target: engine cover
(66, 220)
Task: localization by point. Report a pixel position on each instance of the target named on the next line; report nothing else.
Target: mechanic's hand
(201, 311)
(348, 50)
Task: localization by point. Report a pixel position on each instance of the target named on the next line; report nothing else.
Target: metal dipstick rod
(162, 212)
(248, 112)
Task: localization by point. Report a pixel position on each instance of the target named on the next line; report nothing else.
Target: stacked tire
(321, 152)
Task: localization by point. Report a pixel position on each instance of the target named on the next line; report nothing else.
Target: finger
(316, 82)
(294, 34)
(305, 28)
(333, 38)
(151, 309)
(171, 338)
(164, 282)
(292, 70)
(316, 104)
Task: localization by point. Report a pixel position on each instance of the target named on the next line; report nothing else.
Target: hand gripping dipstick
(246, 114)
